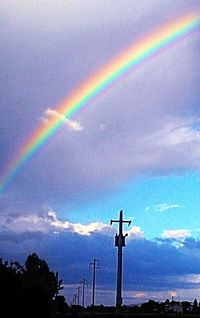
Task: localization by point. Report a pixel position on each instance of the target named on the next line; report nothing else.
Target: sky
(136, 147)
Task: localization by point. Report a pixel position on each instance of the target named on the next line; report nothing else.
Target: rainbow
(138, 52)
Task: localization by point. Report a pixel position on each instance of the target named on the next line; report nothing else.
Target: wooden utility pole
(74, 299)
(120, 243)
(78, 294)
(95, 266)
(84, 284)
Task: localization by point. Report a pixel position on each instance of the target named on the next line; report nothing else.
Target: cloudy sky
(135, 148)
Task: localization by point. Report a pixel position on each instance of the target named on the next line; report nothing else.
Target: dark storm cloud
(147, 265)
(160, 266)
(11, 237)
(192, 244)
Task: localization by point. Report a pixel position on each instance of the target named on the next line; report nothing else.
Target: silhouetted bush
(60, 304)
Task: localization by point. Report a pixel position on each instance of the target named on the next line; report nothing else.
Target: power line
(103, 241)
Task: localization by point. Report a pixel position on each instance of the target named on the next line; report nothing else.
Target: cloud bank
(149, 267)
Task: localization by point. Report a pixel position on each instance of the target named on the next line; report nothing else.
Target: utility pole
(78, 293)
(74, 299)
(95, 266)
(84, 284)
(120, 243)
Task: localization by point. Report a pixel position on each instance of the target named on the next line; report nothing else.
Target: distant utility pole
(78, 293)
(74, 299)
(120, 243)
(84, 284)
(95, 266)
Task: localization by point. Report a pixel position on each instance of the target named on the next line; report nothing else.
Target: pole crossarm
(95, 263)
(120, 221)
(117, 221)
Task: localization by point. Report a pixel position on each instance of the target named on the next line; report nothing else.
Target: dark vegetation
(32, 291)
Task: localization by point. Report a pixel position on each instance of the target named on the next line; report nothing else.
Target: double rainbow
(114, 70)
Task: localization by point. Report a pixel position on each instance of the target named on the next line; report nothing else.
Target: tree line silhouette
(31, 290)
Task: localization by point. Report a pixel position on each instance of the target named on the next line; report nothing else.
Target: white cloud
(162, 295)
(49, 222)
(161, 207)
(138, 297)
(174, 136)
(152, 152)
(139, 294)
(165, 206)
(135, 233)
(193, 278)
(24, 223)
(179, 234)
(77, 227)
(51, 114)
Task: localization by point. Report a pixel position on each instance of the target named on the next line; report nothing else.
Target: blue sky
(136, 148)
(154, 203)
